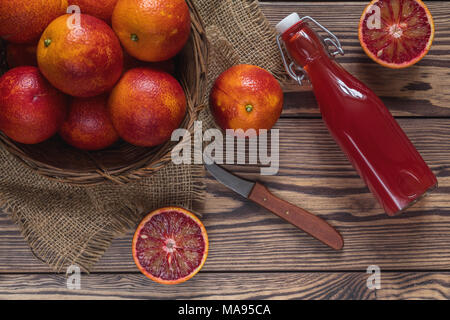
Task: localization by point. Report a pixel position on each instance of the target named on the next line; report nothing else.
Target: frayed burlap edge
(88, 255)
(225, 55)
(99, 242)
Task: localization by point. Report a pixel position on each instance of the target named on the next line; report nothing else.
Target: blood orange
(396, 33)
(170, 245)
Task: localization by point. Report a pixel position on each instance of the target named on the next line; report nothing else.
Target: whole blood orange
(246, 97)
(23, 21)
(31, 110)
(396, 33)
(82, 61)
(152, 30)
(88, 125)
(170, 245)
(18, 55)
(146, 106)
(101, 9)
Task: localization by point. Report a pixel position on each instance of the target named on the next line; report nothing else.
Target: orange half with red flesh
(396, 33)
(170, 245)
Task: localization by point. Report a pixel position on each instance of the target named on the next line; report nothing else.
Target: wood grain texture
(316, 176)
(220, 286)
(421, 90)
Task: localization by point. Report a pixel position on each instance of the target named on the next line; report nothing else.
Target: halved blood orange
(396, 33)
(170, 245)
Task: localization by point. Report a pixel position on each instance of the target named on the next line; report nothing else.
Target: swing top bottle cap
(287, 22)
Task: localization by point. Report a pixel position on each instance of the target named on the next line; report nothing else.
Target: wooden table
(256, 255)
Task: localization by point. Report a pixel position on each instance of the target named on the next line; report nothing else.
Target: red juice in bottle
(359, 122)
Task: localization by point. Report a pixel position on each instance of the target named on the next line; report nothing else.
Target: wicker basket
(122, 162)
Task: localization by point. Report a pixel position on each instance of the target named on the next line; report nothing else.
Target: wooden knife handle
(306, 221)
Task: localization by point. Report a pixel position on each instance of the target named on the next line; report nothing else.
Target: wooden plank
(421, 90)
(314, 174)
(221, 286)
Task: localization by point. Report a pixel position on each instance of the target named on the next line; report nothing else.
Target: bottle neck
(304, 44)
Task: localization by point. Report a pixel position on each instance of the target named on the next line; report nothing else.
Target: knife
(258, 193)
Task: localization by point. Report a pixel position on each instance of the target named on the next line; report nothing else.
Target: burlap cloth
(65, 224)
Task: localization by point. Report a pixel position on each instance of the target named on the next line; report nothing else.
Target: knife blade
(258, 193)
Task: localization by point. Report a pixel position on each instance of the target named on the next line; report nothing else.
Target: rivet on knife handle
(311, 224)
